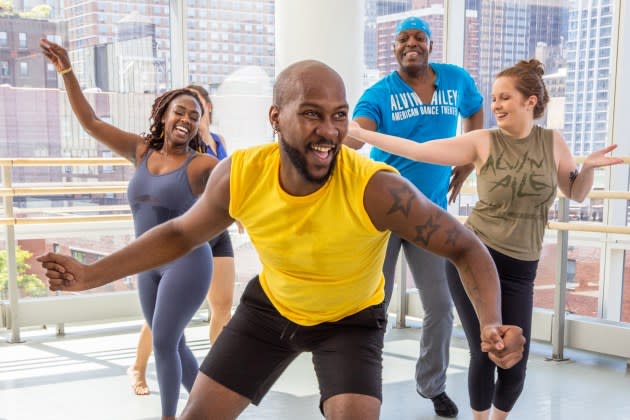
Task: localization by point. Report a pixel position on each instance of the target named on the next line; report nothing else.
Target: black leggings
(517, 290)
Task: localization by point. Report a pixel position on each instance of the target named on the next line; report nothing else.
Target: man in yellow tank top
(319, 216)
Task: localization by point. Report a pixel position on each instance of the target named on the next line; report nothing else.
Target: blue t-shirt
(397, 110)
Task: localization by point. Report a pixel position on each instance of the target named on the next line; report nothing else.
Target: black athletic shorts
(258, 343)
(222, 245)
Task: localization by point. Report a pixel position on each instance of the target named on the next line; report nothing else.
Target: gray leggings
(428, 274)
(170, 295)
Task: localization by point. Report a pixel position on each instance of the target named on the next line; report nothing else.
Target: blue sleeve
(472, 101)
(368, 107)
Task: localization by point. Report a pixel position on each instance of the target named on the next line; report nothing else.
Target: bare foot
(138, 381)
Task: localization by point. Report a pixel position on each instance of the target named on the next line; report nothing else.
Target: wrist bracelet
(64, 71)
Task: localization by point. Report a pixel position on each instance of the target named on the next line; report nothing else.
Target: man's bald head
(301, 76)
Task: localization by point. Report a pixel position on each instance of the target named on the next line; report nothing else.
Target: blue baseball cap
(413, 23)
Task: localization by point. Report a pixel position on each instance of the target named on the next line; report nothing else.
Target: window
(4, 68)
(22, 40)
(23, 69)
(55, 38)
(579, 53)
(108, 169)
(4, 40)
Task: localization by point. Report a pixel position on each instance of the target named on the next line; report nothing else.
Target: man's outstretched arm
(166, 242)
(394, 203)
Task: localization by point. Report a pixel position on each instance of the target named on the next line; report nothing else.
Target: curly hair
(155, 136)
(528, 77)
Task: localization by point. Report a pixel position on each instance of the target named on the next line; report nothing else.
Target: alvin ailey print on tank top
(516, 187)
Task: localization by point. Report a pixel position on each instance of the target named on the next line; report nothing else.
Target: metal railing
(10, 220)
(9, 191)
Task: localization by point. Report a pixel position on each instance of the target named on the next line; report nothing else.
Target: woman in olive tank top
(519, 167)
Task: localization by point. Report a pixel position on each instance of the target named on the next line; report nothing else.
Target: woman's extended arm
(120, 141)
(460, 150)
(573, 183)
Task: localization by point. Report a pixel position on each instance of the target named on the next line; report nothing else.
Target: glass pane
(86, 242)
(120, 53)
(573, 39)
(583, 276)
(231, 53)
(237, 31)
(582, 279)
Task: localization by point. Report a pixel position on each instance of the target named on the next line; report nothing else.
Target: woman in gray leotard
(169, 177)
(221, 292)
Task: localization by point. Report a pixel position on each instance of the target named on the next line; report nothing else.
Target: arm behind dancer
(123, 143)
(472, 147)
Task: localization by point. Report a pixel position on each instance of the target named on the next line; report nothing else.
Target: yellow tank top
(321, 256)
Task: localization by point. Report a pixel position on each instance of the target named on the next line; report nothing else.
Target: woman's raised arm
(121, 142)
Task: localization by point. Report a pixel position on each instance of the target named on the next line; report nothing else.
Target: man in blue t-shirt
(422, 102)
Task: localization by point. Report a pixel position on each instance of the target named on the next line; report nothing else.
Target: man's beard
(299, 162)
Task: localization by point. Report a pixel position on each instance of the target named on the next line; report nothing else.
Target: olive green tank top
(516, 187)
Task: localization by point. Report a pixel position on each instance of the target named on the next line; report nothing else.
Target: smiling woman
(165, 185)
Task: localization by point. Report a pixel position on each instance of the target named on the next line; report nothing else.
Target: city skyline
(124, 49)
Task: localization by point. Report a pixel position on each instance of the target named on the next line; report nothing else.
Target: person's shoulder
(373, 95)
(355, 161)
(202, 157)
(547, 133)
(216, 136)
(544, 129)
(382, 84)
(258, 153)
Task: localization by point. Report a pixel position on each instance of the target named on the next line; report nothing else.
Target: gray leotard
(154, 199)
(171, 294)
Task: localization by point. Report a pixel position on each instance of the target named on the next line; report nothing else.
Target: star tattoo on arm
(403, 197)
(425, 231)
